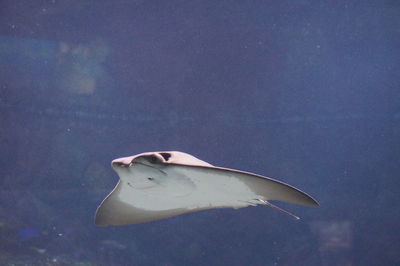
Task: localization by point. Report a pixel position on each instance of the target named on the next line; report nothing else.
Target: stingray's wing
(264, 188)
(113, 211)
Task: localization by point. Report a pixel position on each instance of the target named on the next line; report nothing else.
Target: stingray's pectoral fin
(265, 202)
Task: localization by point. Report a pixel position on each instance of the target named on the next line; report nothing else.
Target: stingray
(158, 185)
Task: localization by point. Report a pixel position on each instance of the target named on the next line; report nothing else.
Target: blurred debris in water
(335, 241)
(111, 244)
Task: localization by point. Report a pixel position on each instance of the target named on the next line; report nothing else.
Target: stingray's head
(157, 160)
(148, 171)
(141, 169)
(152, 159)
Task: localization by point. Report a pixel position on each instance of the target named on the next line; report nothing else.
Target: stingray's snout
(121, 162)
(118, 164)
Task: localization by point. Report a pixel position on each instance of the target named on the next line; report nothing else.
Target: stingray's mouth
(140, 186)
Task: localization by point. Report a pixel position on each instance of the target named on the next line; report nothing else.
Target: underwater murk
(211, 111)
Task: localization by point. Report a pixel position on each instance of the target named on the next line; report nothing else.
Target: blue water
(307, 92)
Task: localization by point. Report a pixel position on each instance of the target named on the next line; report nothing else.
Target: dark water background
(304, 91)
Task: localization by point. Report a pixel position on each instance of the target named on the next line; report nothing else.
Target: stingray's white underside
(182, 188)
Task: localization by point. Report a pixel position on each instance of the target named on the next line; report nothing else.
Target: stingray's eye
(150, 178)
(152, 159)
